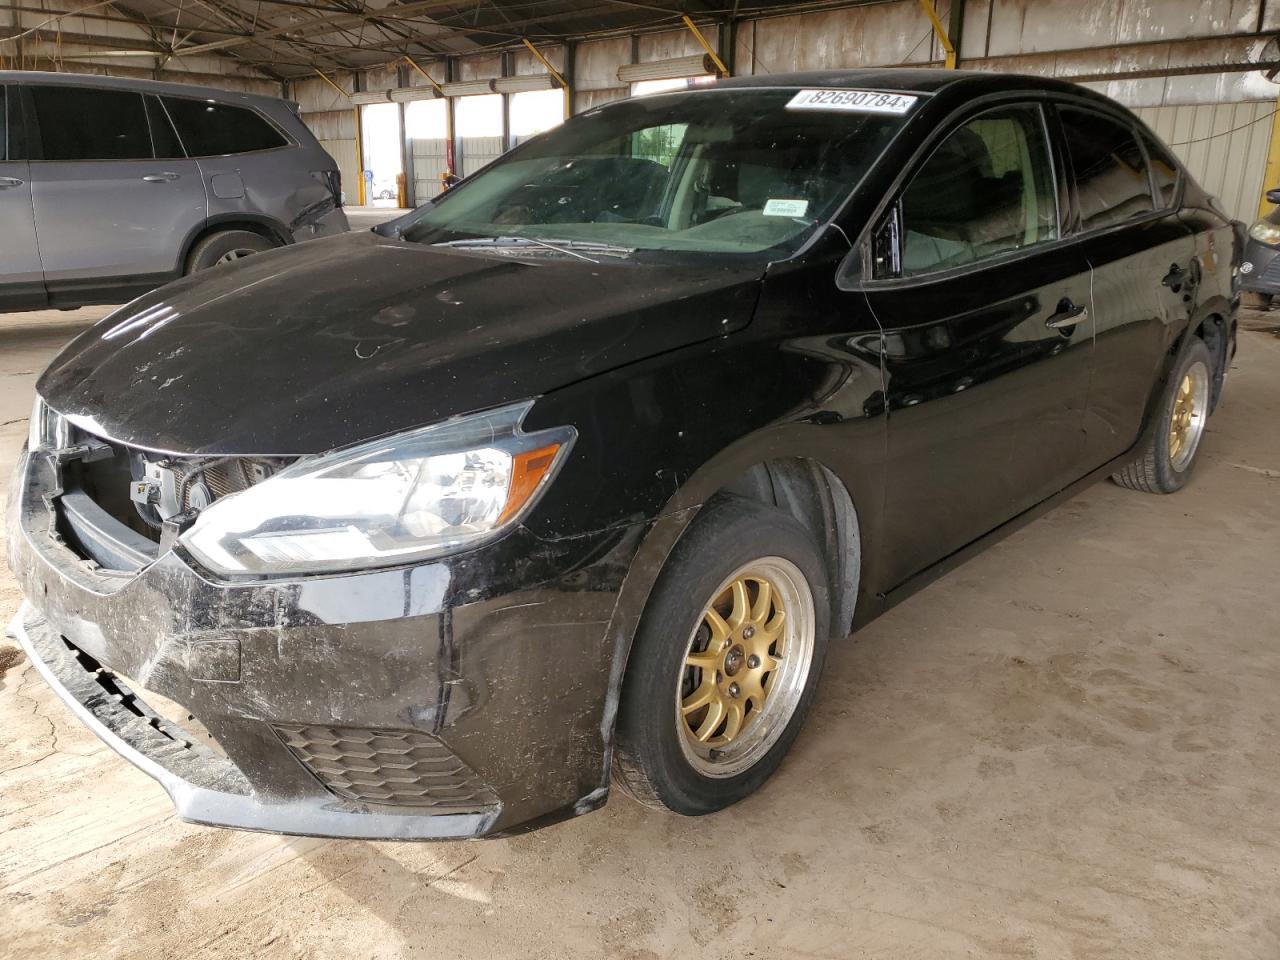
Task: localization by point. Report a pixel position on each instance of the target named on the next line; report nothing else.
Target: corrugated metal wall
(344, 154)
(1053, 37)
(1224, 145)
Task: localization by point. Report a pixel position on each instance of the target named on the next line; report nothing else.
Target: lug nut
(753, 661)
(734, 690)
(748, 633)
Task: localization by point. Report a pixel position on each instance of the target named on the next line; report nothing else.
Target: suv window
(210, 129)
(77, 123)
(4, 126)
(986, 190)
(1112, 184)
(1164, 169)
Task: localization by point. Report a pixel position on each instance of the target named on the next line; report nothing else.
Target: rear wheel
(226, 246)
(726, 660)
(1165, 464)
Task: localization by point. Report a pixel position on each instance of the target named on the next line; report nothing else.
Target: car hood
(328, 343)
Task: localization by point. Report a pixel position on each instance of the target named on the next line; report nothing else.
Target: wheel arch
(263, 226)
(1215, 330)
(796, 480)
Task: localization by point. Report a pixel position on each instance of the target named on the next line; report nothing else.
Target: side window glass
(210, 129)
(1165, 171)
(4, 126)
(659, 144)
(163, 139)
(81, 124)
(1110, 171)
(986, 190)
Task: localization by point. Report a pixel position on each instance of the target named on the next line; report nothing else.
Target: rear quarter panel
(286, 186)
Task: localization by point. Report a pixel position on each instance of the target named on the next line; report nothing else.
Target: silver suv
(110, 188)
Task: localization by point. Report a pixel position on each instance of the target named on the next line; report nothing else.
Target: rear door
(107, 210)
(987, 335)
(21, 277)
(1143, 284)
(250, 167)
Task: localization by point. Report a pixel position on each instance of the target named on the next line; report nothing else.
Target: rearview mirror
(1273, 195)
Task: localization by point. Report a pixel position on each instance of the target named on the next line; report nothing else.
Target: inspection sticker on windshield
(853, 101)
(785, 208)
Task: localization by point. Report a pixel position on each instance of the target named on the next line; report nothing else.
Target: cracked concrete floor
(1064, 749)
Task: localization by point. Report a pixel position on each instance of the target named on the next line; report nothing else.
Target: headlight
(410, 497)
(48, 430)
(1265, 232)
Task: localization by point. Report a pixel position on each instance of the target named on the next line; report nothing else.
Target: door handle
(1068, 315)
(7, 182)
(161, 177)
(1174, 278)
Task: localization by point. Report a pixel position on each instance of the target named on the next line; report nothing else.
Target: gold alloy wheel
(745, 667)
(1186, 422)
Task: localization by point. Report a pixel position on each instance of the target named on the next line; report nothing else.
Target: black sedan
(577, 471)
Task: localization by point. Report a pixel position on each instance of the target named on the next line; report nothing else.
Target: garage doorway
(533, 112)
(383, 158)
(426, 124)
(479, 130)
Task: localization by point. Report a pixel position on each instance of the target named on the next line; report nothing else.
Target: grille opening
(403, 768)
(116, 498)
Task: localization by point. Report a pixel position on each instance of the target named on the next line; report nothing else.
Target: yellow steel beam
(331, 83)
(555, 74)
(430, 79)
(359, 147)
(932, 13)
(715, 58)
(1271, 176)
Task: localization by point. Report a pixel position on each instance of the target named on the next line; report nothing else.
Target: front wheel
(1164, 465)
(726, 659)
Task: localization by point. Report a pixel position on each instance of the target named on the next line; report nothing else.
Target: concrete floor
(1066, 748)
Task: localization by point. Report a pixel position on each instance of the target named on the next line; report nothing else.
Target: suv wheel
(725, 661)
(225, 247)
(1165, 465)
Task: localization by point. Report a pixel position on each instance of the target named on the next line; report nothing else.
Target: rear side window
(4, 125)
(76, 123)
(985, 191)
(210, 129)
(1112, 184)
(1164, 169)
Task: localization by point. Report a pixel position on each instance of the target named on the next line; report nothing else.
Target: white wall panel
(596, 62)
(1224, 145)
(344, 154)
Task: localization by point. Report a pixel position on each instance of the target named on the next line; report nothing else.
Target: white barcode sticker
(853, 101)
(785, 208)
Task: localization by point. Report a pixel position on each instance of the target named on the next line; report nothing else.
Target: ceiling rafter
(284, 38)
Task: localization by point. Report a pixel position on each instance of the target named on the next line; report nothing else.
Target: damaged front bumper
(463, 697)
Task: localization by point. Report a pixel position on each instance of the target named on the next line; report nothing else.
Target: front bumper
(458, 698)
(1260, 269)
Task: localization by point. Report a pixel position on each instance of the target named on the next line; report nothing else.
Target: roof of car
(129, 83)
(908, 79)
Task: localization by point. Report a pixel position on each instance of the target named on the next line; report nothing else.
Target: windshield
(728, 171)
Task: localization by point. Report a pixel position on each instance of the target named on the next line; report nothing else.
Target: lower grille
(397, 767)
(1271, 275)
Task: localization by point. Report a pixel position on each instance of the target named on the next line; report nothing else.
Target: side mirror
(1273, 195)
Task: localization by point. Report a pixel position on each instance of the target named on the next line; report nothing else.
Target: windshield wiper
(572, 247)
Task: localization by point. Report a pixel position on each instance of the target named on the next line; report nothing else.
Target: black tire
(1154, 469)
(210, 250)
(650, 760)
